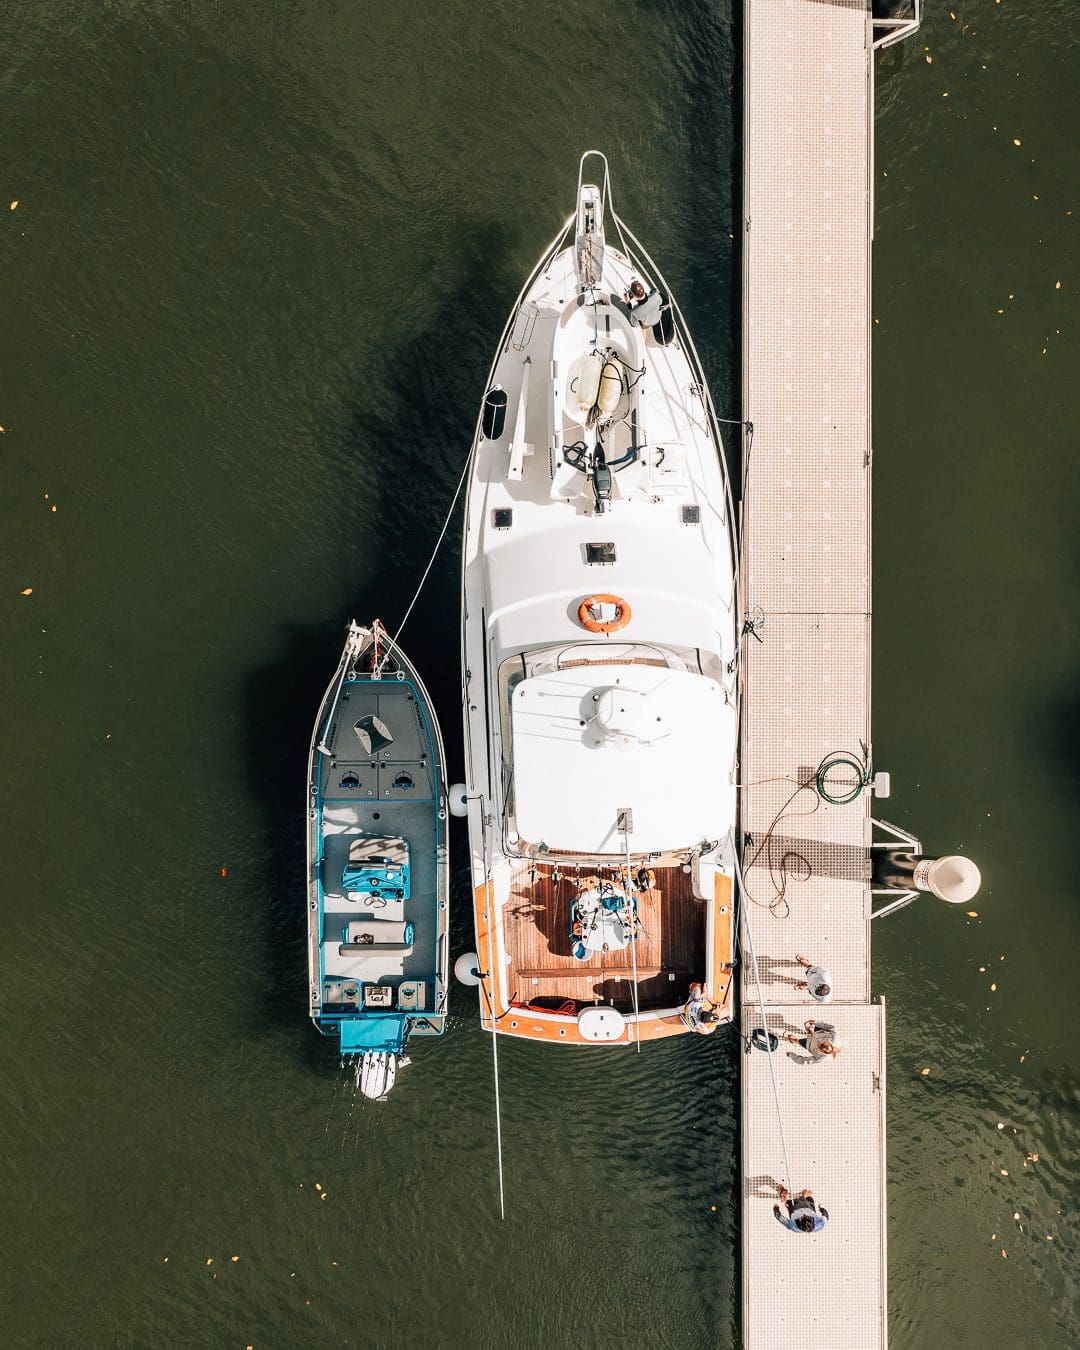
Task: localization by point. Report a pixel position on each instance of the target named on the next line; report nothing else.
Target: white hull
(586, 750)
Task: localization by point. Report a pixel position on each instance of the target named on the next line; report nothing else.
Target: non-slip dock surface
(806, 564)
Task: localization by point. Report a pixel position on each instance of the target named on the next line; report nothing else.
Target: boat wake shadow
(408, 435)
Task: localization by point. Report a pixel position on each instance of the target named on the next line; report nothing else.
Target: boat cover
(373, 1031)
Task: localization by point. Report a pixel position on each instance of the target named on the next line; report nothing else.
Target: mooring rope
(745, 915)
(438, 545)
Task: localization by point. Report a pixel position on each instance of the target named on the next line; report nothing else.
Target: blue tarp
(373, 1031)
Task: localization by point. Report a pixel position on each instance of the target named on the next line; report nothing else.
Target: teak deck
(670, 947)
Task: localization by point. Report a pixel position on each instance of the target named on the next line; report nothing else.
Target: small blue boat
(378, 863)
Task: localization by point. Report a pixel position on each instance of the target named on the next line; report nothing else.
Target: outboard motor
(601, 478)
(375, 1074)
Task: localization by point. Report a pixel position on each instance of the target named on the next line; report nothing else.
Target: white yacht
(600, 671)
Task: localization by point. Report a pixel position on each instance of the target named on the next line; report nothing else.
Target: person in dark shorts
(803, 1216)
(820, 1040)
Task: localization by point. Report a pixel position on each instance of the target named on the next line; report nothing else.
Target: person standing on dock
(803, 1216)
(820, 1040)
(818, 981)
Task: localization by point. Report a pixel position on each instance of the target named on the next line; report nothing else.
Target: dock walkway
(806, 575)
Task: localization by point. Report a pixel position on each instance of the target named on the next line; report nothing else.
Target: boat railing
(698, 373)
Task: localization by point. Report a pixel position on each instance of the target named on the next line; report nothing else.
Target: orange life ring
(591, 625)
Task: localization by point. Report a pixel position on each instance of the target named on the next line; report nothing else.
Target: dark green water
(251, 288)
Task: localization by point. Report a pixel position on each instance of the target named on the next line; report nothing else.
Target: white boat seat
(378, 933)
(363, 948)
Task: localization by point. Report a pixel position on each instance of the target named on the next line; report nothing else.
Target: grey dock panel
(806, 572)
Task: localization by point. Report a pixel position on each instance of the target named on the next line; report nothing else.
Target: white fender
(458, 799)
(467, 969)
(588, 381)
(610, 388)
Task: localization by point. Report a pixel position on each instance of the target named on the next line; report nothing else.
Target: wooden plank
(536, 922)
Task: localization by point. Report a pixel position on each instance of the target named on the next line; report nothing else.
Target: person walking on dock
(820, 1040)
(818, 981)
(803, 1216)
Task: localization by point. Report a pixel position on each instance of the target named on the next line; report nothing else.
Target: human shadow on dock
(761, 1187)
(780, 970)
(790, 859)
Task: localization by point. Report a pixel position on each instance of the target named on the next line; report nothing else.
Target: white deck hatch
(589, 741)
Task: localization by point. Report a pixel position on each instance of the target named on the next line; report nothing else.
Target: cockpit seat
(373, 734)
(378, 865)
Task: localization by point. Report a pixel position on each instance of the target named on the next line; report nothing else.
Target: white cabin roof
(589, 741)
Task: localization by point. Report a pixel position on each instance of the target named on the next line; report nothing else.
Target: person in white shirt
(818, 982)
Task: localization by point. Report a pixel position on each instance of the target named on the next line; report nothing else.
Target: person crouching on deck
(645, 308)
(699, 1014)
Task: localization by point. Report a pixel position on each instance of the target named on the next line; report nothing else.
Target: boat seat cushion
(378, 865)
(378, 933)
(373, 734)
(365, 948)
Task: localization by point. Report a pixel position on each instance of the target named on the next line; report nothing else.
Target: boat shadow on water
(405, 437)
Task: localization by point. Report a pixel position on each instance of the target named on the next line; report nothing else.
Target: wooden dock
(808, 206)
